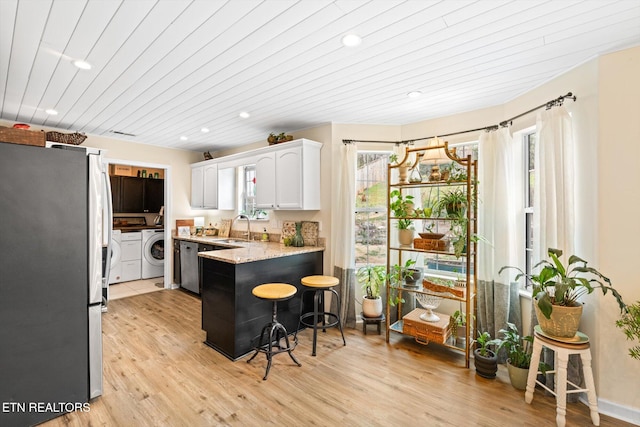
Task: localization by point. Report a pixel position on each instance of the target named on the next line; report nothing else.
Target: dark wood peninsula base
(232, 317)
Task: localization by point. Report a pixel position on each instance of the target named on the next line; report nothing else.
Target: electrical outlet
(319, 225)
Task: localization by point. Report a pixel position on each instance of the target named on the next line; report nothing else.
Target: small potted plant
(557, 289)
(406, 273)
(402, 207)
(459, 327)
(372, 278)
(485, 359)
(518, 350)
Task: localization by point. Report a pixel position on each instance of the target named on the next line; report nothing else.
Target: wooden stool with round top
(274, 331)
(562, 349)
(319, 285)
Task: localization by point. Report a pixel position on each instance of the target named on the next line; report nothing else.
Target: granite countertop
(241, 251)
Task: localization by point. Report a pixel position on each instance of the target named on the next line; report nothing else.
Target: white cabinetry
(204, 186)
(289, 176)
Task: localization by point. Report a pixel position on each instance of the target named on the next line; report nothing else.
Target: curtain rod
(554, 102)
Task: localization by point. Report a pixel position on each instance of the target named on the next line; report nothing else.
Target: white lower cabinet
(131, 256)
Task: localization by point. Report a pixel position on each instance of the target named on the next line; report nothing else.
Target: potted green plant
(453, 203)
(485, 359)
(557, 289)
(630, 325)
(372, 278)
(518, 349)
(406, 273)
(401, 208)
(459, 327)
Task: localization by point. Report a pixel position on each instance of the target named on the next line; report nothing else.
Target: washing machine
(115, 276)
(152, 253)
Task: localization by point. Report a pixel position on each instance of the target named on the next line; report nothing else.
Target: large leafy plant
(557, 284)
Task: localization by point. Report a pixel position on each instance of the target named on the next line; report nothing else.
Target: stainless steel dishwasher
(189, 266)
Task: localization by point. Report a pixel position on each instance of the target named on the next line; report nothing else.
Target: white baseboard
(615, 410)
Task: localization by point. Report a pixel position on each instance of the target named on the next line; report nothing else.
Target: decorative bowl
(432, 236)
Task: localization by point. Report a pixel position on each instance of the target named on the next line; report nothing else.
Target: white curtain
(498, 300)
(343, 231)
(554, 199)
(554, 205)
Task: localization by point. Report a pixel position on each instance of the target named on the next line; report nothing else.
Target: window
(248, 196)
(371, 209)
(529, 140)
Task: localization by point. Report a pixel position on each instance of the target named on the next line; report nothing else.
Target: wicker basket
(429, 244)
(66, 138)
(425, 332)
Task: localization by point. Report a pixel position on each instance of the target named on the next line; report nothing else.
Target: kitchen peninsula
(231, 316)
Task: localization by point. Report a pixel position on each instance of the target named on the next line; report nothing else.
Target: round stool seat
(274, 291)
(560, 344)
(319, 281)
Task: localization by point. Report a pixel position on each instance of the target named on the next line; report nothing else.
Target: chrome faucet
(248, 233)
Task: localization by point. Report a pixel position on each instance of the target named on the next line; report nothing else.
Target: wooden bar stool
(562, 350)
(319, 285)
(274, 331)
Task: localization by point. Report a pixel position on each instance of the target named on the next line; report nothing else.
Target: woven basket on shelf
(66, 138)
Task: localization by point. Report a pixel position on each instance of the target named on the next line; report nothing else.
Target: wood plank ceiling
(164, 69)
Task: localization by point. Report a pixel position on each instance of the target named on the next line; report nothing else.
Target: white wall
(618, 228)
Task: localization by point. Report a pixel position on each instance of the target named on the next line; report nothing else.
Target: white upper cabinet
(204, 186)
(197, 187)
(266, 180)
(287, 177)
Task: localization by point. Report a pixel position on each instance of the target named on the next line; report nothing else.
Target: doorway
(166, 172)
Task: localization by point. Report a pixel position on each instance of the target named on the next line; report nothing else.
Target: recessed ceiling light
(51, 112)
(244, 115)
(83, 65)
(204, 130)
(351, 40)
(183, 138)
(414, 94)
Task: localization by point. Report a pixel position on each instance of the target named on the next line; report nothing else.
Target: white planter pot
(405, 237)
(372, 307)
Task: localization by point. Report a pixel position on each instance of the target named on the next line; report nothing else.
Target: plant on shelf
(453, 203)
(518, 349)
(630, 325)
(459, 327)
(405, 273)
(402, 208)
(457, 173)
(372, 278)
(558, 287)
(484, 358)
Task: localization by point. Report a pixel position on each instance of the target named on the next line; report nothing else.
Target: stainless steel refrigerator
(54, 228)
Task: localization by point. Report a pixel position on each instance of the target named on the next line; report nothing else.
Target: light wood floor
(158, 372)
